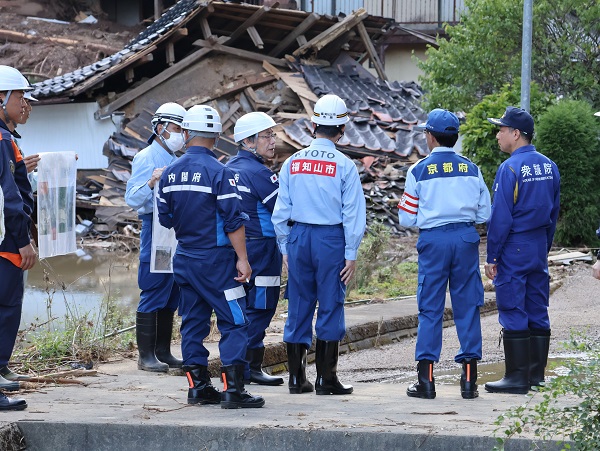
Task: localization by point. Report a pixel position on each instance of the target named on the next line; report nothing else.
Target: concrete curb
(109, 437)
(358, 337)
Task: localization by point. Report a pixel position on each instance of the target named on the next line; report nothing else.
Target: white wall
(67, 127)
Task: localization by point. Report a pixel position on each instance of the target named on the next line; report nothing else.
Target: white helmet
(330, 110)
(12, 80)
(251, 124)
(202, 118)
(168, 112)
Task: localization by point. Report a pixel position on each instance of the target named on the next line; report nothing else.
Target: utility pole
(526, 54)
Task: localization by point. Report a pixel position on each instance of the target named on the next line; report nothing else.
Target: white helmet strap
(6, 116)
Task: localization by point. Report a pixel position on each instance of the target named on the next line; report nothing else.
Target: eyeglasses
(269, 136)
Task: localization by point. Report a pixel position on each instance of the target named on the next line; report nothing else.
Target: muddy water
(486, 372)
(77, 284)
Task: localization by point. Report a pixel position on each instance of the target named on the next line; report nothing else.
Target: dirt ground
(40, 58)
(573, 307)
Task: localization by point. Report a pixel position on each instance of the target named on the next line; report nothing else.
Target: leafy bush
(479, 136)
(567, 133)
(570, 407)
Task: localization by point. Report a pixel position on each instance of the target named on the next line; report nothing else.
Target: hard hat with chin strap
(250, 124)
(202, 119)
(168, 112)
(330, 110)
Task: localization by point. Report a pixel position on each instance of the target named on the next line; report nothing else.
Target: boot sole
(330, 392)
(513, 390)
(237, 405)
(422, 395)
(469, 395)
(153, 370)
(13, 386)
(299, 390)
(7, 408)
(202, 401)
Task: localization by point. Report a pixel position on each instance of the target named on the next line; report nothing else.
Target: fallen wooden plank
(293, 116)
(16, 36)
(239, 52)
(333, 32)
(362, 31)
(297, 84)
(291, 37)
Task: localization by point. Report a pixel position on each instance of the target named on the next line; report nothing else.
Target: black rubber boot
(326, 360)
(297, 384)
(539, 345)
(7, 403)
(257, 375)
(201, 389)
(425, 386)
(146, 340)
(9, 375)
(8, 385)
(468, 379)
(164, 332)
(516, 358)
(234, 395)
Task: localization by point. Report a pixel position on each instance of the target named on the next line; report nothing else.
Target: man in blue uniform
(258, 187)
(520, 233)
(444, 196)
(321, 196)
(16, 251)
(159, 297)
(199, 199)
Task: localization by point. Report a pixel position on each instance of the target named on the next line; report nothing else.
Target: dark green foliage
(479, 142)
(567, 133)
(483, 52)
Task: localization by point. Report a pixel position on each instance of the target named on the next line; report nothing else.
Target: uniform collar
(155, 145)
(523, 149)
(443, 149)
(323, 142)
(243, 153)
(199, 150)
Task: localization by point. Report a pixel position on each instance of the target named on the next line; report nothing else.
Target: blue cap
(516, 118)
(440, 121)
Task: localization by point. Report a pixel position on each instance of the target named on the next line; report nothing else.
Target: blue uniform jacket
(138, 194)
(443, 188)
(198, 198)
(18, 199)
(258, 186)
(526, 198)
(319, 185)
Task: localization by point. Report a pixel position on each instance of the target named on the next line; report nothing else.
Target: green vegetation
(77, 338)
(483, 52)
(567, 133)
(577, 425)
(381, 276)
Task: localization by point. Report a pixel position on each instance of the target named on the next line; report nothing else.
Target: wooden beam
(301, 40)
(205, 27)
(238, 52)
(153, 82)
(333, 32)
(158, 9)
(16, 36)
(258, 42)
(371, 50)
(291, 37)
(250, 22)
(129, 75)
(170, 53)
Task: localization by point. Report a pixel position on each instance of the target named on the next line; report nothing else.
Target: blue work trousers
(449, 256)
(158, 291)
(11, 303)
(263, 289)
(522, 282)
(315, 260)
(206, 282)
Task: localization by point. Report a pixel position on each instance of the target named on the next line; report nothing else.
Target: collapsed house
(241, 58)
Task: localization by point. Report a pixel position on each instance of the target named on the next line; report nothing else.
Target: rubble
(250, 58)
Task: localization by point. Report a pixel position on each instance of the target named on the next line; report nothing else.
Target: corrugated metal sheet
(68, 127)
(402, 11)
(333, 7)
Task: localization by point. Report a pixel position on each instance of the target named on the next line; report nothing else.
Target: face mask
(175, 141)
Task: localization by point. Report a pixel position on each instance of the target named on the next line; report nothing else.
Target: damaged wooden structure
(241, 58)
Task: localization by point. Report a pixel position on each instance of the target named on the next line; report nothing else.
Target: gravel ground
(573, 306)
